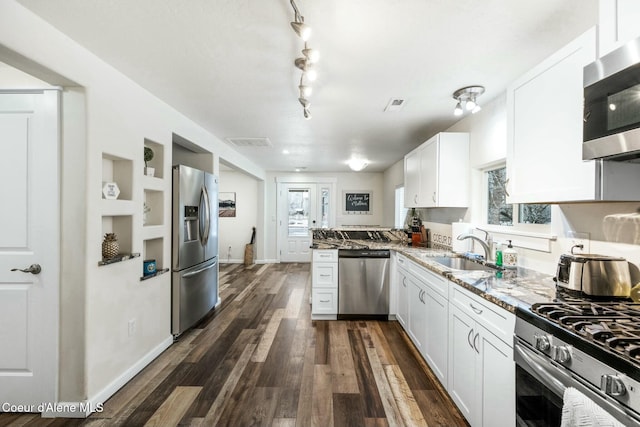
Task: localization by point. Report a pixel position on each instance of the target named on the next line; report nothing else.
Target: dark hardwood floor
(259, 360)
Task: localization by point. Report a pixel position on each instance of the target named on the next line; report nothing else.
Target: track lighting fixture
(306, 61)
(467, 98)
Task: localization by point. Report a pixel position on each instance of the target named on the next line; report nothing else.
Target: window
(400, 210)
(499, 212)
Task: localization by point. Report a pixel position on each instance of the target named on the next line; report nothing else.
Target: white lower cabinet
(324, 284)
(402, 290)
(417, 313)
(481, 366)
(466, 340)
(436, 334)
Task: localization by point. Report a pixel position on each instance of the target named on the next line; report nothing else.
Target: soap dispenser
(510, 256)
(499, 254)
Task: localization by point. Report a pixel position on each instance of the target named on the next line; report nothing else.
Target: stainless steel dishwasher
(363, 284)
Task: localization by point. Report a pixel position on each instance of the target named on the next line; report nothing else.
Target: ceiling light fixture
(357, 164)
(305, 63)
(467, 97)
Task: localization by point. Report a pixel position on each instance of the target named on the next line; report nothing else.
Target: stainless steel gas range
(593, 347)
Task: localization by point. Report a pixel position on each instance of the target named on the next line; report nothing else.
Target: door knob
(33, 269)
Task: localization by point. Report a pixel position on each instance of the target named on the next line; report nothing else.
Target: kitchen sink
(457, 263)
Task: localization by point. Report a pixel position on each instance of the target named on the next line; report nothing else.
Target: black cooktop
(608, 331)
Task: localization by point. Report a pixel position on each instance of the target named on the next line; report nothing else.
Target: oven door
(540, 386)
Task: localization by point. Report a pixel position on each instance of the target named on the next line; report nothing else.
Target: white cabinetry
(417, 313)
(481, 367)
(436, 174)
(618, 21)
(423, 312)
(436, 320)
(324, 284)
(402, 290)
(544, 125)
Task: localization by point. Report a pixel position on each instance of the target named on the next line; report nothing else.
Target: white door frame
(282, 181)
(36, 381)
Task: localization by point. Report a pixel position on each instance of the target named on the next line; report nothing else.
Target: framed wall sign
(356, 202)
(227, 204)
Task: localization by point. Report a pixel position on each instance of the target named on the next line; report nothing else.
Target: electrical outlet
(132, 327)
(577, 238)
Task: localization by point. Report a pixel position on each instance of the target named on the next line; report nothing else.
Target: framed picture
(356, 202)
(226, 204)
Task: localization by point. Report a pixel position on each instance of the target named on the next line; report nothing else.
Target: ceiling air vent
(395, 104)
(249, 142)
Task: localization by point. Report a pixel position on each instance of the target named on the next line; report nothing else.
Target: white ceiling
(228, 64)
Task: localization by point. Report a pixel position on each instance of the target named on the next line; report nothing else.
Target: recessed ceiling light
(300, 168)
(285, 151)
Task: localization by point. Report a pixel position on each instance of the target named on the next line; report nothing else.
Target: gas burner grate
(612, 325)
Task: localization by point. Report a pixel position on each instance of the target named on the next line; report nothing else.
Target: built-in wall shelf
(152, 183)
(117, 259)
(119, 170)
(156, 274)
(152, 232)
(117, 207)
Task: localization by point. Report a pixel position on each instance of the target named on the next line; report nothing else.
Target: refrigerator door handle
(207, 203)
(194, 273)
(201, 217)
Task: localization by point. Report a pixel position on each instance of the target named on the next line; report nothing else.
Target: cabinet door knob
(433, 197)
(469, 338)
(475, 341)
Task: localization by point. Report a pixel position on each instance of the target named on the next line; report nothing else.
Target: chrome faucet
(486, 244)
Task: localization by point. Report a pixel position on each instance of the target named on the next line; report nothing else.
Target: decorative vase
(149, 171)
(110, 247)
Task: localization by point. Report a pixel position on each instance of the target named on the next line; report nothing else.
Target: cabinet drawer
(433, 280)
(325, 275)
(402, 262)
(325, 255)
(324, 301)
(496, 319)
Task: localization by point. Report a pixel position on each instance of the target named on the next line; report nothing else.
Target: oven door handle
(538, 367)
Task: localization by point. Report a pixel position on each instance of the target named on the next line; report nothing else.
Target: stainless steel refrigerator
(194, 281)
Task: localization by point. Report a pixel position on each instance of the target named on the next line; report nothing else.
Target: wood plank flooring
(259, 360)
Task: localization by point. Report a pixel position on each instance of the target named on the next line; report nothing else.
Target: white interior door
(298, 206)
(29, 236)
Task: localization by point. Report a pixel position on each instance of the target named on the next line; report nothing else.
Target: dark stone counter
(508, 288)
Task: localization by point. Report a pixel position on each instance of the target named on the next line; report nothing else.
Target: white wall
(235, 232)
(391, 179)
(99, 355)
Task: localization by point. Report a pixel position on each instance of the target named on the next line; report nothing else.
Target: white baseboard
(95, 403)
(231, 261)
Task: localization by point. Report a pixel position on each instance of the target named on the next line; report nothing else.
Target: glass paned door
(298, 201)
(297, 216)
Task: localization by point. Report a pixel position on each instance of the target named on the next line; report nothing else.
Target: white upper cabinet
(544, 125)
(618, 24)
(436, 174)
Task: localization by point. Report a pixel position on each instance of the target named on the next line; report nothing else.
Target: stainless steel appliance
(363, 284)
(594, 275)
(194, 281)
(591, 346)
(611, 125)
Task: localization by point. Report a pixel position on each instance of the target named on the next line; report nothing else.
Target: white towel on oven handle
(580, 411)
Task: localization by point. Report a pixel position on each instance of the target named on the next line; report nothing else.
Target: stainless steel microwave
(611, 121)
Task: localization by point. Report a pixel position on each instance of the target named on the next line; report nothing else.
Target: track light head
(312, 55)
(307, 113)
(302, 30)
(305, 103)
(458, 110)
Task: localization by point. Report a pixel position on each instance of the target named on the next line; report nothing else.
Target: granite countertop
(508, 288)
